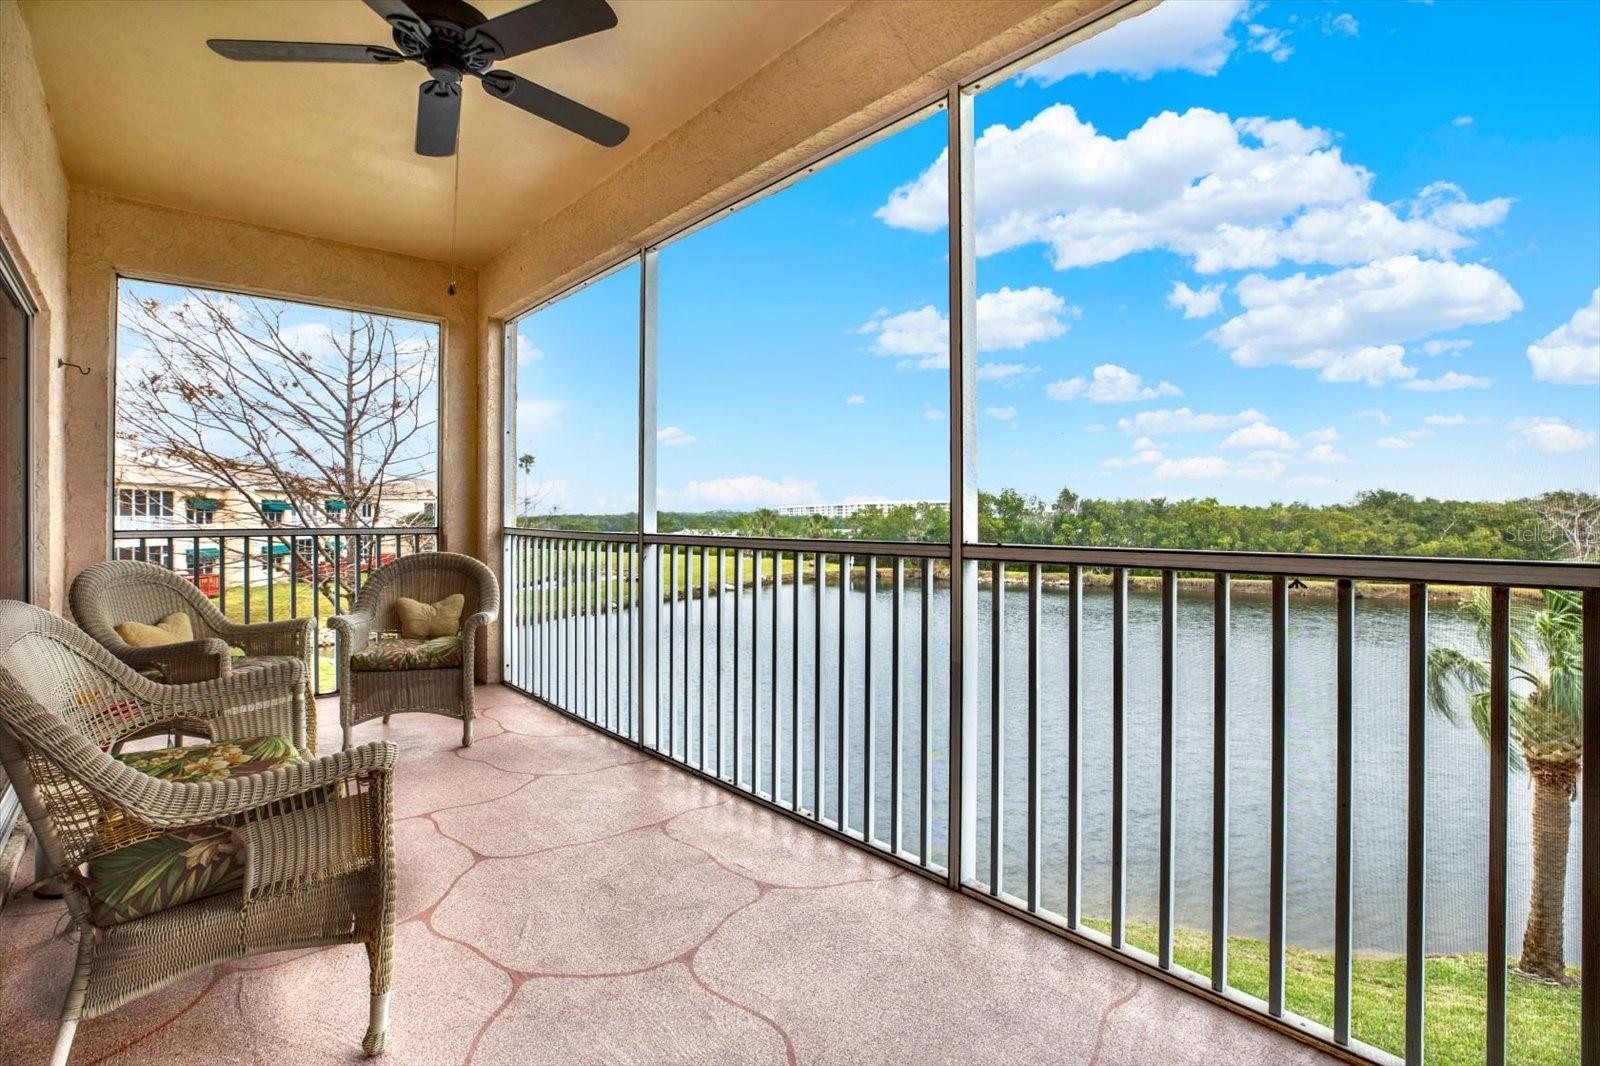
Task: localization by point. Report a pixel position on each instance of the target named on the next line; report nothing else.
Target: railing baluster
(1119, 764)
(738, 632)
(675, 569)
(794, 683)
(1035, 683)
(1343, 941)
(1169, 668)
(925, 739)
(1279, 848)
(1499, 779)
(246, 576)
(1416, 819)
(816, 688)
(868, 739)
(772, 731)
(1074, 745)
(896, 740)
(1589, 883)
(755, 677)
(997, 733)
(722, 601)
(700, 762)
(843, 770)
(1221, 625)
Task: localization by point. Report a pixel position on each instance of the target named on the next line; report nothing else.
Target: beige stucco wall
(110, 236)
(33, 230)
(869, 63)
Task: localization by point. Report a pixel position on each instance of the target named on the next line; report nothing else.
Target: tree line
(1557, 525)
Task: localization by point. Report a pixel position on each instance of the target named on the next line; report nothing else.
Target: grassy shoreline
(1543, 1021)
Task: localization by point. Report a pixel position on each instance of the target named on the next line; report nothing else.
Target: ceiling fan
(452, 39)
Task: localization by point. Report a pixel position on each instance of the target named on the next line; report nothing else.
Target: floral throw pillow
(215, 762)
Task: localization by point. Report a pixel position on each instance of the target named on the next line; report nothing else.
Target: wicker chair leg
(377, 1025)
(349, 738)
(385, 719)
(72, 1010)
(466, 732)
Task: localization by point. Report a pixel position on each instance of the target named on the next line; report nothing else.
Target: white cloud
(528, 353)
(1378, 415)
(1551, 434)
(1006, 319)
(1326, 454)
(1261, 435)
(1268, 40)
(1002, 414)
(539, 415)
(855, 399)
(1111, 384)
(1325, 435)
(1196, 303)
(1344, 23)
(1373, 364)
(933, 414)
(1183, 420)
(1192, 35)
(1570, 354)
(1212, 467)
(1462, 120)
(1453, 420)
(1394, 443)
(1449, 347)
(1329, 320)
(1447, 382)
(1005, 371)
(748, 490)
(1225, 193)
(673, 437)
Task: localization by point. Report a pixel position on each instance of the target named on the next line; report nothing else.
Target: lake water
(1457, 783)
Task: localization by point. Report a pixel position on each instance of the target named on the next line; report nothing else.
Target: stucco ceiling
(141, 108)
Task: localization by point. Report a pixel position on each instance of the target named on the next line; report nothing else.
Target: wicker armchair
(365, 694)
(299, 855)
(122, 590)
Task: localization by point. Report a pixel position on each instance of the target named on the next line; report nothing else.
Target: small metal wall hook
(80, 369)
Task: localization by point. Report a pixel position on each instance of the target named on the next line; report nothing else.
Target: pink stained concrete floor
(566, 899)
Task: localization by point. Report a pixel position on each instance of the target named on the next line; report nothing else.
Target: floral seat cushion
(184, 864)
(406, 653)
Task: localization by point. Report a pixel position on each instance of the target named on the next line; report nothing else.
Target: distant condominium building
(845, 510)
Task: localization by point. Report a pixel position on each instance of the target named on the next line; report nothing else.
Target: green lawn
(276, 605)
(1542, 1021)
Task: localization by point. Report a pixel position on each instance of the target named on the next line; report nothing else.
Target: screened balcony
(1027, 531)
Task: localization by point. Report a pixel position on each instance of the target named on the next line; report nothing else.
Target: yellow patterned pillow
(420, 621)
(175, 628)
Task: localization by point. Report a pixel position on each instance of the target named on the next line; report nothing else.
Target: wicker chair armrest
(287, 636)
(354, 627)
(174, 804)
(183, 663)
(267, 701)
(482, 618)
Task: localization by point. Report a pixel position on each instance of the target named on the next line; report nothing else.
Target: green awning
(333, 505)
(209, 555)
(274, 506)
(202, 503)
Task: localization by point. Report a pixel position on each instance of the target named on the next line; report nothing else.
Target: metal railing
(813, 676)
(268, 573)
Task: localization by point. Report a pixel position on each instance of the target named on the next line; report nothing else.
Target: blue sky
(1256, 251)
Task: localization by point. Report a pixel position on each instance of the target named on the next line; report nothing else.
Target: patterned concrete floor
(564, 899)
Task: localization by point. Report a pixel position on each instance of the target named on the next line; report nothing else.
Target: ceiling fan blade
(546, 22)
(392, 10)
(553, 107)
(302, 52)
(438, 117)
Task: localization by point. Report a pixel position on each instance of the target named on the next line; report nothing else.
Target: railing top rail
(1517, 573)
(570, 534)
(907, 549)
(213, 532)
(1505, 572)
